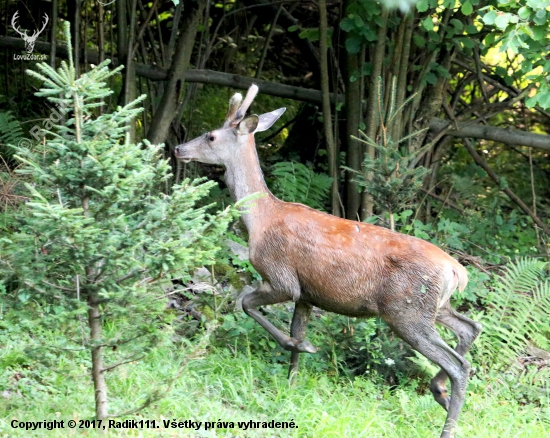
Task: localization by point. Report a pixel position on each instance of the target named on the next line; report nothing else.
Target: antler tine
(250, 95)
(16, 28)
(46, 19)
(234, 104)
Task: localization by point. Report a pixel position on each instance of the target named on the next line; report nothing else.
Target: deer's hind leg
(302, 312)
(466, 331)
(423, 337)
(264, 296)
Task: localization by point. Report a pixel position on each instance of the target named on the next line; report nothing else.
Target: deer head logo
(29, 40)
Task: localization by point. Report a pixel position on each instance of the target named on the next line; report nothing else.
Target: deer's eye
(211, 137)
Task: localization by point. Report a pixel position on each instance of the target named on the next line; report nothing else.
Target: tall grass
(231, 385)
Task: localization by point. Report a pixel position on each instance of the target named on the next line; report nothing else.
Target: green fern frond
(518, 309)
(295, 182)
(11, 131)
(533, 383)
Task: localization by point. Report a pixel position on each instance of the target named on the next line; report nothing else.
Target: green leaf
(524, 12)
(467, 42)
(537, 4)
(471, 29)
(443, 72)
(310, 34)
(346, 25)
(419, 41)
(428, 23)
(544, 99)
(451, 32)
(540, 17)
(457, 24)
(526, 29)
(531, 102)
(501, 71)
(490, 39)
(434, 36)
(431, 78)
(422, 6)
(467, 8)
(353, 44)
(539, 32)
(489, 17)
(503, 184)
(502, 21)
(294, 28)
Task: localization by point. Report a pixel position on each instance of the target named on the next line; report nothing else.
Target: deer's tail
(456, 278)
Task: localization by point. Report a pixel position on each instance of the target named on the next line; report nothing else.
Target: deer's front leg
(266, 295)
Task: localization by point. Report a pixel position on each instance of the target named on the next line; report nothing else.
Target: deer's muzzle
(181, 152)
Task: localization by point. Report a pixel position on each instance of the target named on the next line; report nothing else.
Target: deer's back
(351, 267)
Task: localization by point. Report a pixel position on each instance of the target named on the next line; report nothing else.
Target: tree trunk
(176, 74)
(354, 147)
(327, 114)
(371, 121)
(130, 82)
(100, 385)
(53, 34)
(100, 32)
(122, 42)
(74, 11)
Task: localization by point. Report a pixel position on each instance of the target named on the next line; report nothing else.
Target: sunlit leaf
(489, 17)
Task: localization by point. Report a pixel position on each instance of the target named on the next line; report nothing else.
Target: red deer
(342, 266)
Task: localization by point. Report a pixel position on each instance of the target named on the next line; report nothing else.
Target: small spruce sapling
(390, 178)
(97, 236)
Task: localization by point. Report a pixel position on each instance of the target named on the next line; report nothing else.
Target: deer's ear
(248, 125)
(267, 119)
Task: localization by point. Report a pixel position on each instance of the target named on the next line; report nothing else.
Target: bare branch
(444, 200)
(515, 198)
(66, 289)
(503, 135)
(122, 362)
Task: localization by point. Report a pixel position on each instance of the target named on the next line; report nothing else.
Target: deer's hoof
(306, 347)
(440, 395)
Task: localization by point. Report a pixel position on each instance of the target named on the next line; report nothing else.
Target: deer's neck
(244, 177)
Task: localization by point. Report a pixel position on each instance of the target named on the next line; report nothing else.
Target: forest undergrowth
(227, 384)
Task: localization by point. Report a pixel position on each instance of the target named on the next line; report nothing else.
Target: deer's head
(224, 145)
(29, 40)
